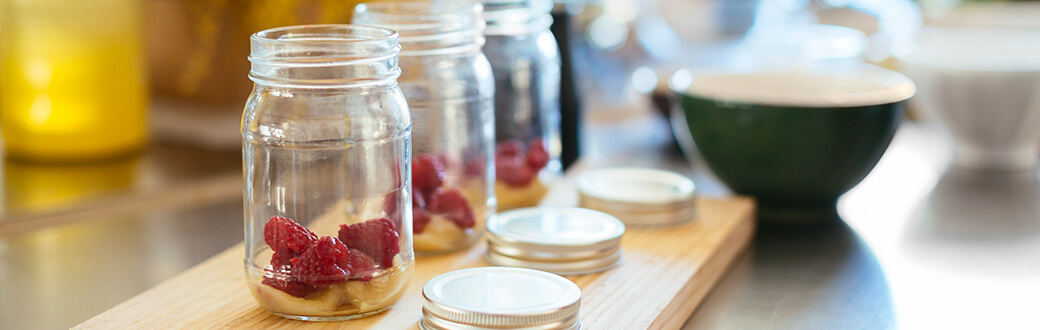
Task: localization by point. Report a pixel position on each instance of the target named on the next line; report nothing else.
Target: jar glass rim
(428, 28)
(324, 33)
(324, 55)
(325, 42)
(513, 17)
(409, 9)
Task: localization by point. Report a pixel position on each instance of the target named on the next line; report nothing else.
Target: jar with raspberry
(526, 63)
(325, 141)
(449, 87)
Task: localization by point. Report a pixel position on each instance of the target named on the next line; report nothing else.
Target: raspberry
(376, 237)
(282, 260)
(427, 173)
(537, 157)
(363, 265)
(390, 204)
(286, 236)
(420, 218)
(419, 215)
(323, 264)
(513, 170)
(292, 286)
(509, 148)
(454, 206)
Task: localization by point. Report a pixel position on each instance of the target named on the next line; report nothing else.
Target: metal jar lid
(638, 196)
(561, 240)
(500, 298)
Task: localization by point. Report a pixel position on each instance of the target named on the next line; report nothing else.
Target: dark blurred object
(570, 103)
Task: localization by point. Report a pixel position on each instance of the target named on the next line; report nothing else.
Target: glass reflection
(35, 187)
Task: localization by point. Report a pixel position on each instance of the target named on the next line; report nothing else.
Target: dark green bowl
(794, 155)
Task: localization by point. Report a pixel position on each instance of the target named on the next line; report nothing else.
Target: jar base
(331, 318)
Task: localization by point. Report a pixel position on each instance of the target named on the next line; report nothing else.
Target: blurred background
(92, 81)
(110, 107)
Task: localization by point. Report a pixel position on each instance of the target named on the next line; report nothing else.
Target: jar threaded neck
(323, 56)
(515, 17)
(428, 28)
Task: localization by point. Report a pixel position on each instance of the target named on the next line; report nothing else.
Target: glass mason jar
(526, 63)
(449, 87)
(325, 147)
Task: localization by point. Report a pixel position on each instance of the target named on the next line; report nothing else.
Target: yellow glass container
(73, 81)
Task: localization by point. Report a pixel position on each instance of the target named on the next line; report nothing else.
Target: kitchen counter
(920, 246)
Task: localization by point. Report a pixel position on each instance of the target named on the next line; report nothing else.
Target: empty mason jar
(448, 84)
(526, 63)
(325, 141)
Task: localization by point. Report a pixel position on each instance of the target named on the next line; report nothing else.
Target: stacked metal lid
(500, 298)
(638, 196)
(561, 240)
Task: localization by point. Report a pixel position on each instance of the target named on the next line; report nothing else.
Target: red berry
(419, 215)
(323, 264)
(292, 286)
(537, 157)
(286, 236)
(454, 206)
(376, 237)
(390, 204)
(282, 260)
(420, 218)
(463, 219)
(513, 171)
(509, 148)
(427, 173)
(363, 265)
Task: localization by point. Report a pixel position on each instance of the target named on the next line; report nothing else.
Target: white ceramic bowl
(984, 84)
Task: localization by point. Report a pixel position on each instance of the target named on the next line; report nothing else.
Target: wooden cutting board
(665, 275)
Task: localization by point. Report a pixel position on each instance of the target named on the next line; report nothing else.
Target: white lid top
(500, 297)
(562, 240)
(638, 196)
(556, 226)
(636, 185)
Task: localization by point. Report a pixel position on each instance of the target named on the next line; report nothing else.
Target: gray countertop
(921, 247)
